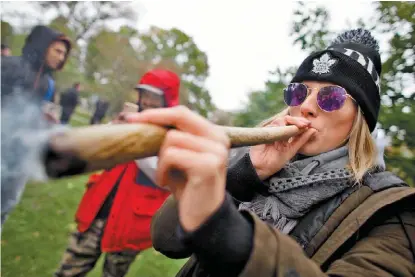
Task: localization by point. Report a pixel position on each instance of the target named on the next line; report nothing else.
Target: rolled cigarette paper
(104, 146)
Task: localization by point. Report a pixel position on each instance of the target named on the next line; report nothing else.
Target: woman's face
(333, 128)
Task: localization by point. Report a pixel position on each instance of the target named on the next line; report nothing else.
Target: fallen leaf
(71, 227)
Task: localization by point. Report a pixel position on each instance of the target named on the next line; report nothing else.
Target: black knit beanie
(352, 61)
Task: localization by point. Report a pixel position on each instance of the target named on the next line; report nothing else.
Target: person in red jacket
(115, 212)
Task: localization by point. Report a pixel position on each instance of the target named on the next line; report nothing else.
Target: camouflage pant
(84, 251)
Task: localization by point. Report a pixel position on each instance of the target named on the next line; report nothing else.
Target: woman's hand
(192, 162)
(268, 159)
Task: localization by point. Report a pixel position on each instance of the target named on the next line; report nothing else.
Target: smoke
(381, 142)
(24, 135)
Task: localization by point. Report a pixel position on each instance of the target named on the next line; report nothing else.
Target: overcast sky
(243, 39)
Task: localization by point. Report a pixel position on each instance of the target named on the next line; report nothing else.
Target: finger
(277, 122)
(194, 143)
(122, 116)
(181, 118)
(302, 139)
(173, 160)
(300, 122)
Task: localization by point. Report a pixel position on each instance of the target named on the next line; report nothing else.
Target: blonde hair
(361, 146)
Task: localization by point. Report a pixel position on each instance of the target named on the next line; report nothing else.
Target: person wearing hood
(316, 205)
(25, 84)
(45, 51)
(115, 212)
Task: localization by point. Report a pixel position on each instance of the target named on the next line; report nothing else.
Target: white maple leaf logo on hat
(323, 64)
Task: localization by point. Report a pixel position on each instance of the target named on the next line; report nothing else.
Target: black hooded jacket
(30, 72)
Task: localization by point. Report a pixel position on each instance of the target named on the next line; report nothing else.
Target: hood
(38, 41)
(162, 82)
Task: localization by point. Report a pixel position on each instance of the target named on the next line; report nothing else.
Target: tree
(174, 47)
(6, 32)
(263, 104)
(310, 28)
(84, 17)
(14, 40)
(397, 83)
(112, 67)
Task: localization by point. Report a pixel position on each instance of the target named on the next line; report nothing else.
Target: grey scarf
(299, 186)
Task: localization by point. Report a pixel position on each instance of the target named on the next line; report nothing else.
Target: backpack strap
(357, 218)
(333, 217)
(313, 230)
(409, 235)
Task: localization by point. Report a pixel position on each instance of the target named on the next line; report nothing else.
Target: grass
(36, 234)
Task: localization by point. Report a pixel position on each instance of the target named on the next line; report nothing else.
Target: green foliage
(265, 103)
(17, 44)
(397, 84)
(6, 33)
(111, 66)
(84, 17)
(262, 105)
(36, 235)
(177, 51)
(310, 28)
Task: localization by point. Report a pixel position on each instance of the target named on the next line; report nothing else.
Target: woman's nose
(309, 107)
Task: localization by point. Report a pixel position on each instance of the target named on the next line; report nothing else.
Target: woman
(315, 205)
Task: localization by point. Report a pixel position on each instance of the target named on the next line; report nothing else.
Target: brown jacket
(369, 234)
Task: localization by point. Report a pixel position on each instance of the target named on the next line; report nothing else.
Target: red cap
(163, 82)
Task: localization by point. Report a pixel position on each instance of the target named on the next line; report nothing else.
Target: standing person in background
(27, 76)
(45, 51)
(5, 50)
(101, 108)
(115, 212)
(68, 101)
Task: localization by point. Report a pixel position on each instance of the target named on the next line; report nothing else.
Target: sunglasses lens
(295, 94)
(331, 98)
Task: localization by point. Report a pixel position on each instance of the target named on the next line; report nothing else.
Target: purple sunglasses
(329, 99)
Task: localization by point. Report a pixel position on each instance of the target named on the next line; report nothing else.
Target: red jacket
(137, 198)
(128, 224)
